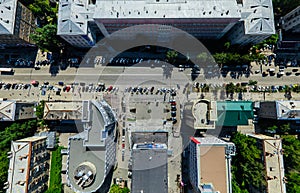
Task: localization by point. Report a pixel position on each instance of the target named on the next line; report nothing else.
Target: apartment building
(28, 166)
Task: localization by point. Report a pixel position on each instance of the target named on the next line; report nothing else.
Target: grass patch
(55, 185)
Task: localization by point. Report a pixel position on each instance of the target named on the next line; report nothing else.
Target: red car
(110, 88)
(123, 145)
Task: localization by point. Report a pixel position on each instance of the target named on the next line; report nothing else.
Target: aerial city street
(109, 96)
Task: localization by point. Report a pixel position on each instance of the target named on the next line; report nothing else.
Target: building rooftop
(7, 16)
(258, 17)
(25, 111)
(149, 168)
(205, 114)
(288, 110)
(213, 162)
(73, 17)
(63, 110)
(273, 156)
(19, 165)
(233, 113)
(135, 9)
(7, 110)
(87, 150)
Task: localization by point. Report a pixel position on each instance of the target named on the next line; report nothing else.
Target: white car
(123, 138)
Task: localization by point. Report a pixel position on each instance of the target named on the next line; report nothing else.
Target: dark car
(152, 89)
(173, 113)
(173, 108)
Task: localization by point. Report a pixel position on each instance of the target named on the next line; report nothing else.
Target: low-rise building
(16, 23)
(11, 110)
(205, 114)
(63, 110)
(210, 164)
(149, 168)
(234, 113)
(273, 162)
(28, 166)
(280, 110)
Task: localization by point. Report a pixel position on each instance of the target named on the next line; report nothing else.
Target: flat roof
(25, 111)
(113, 9)
(205, 114)
(213, 167)
(149, 169)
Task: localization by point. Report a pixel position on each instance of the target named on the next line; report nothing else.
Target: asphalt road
(133, 75)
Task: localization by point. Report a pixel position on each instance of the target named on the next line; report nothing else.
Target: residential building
(92, 153)
(28, 166)
(210, 164)
(234, 113)
(149, 168)
(16, 23)
(273, 161)
(11, 110)
(205, 114)
(245, 21)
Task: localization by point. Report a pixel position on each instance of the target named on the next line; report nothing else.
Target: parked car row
(14, 86)
(150, 90)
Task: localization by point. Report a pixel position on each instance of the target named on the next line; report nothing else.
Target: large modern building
(92, 153)
(11, 110)
(149, 168)
(210, 164)
(28, 166)
(16, 23)
(243, 21)
(272, 154)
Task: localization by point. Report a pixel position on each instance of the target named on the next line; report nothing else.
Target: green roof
(234, 113)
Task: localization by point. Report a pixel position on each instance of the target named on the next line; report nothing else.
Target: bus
(7, 71)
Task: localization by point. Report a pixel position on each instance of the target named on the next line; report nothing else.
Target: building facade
(291, 21)
(210, 164)
(28, 166)
(242, 22)
(16, 23)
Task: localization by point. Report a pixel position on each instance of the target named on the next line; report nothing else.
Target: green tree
(171, 56)
(291, 155)
(247, 167)
(46, 39)
(40, 110)
(116, 189)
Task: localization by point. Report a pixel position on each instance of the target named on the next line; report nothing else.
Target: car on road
(257, 71)
(123, 138)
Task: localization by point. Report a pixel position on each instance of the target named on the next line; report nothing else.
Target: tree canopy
(46, 39)
(247, 167)
(116, 189)
(291, 155)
